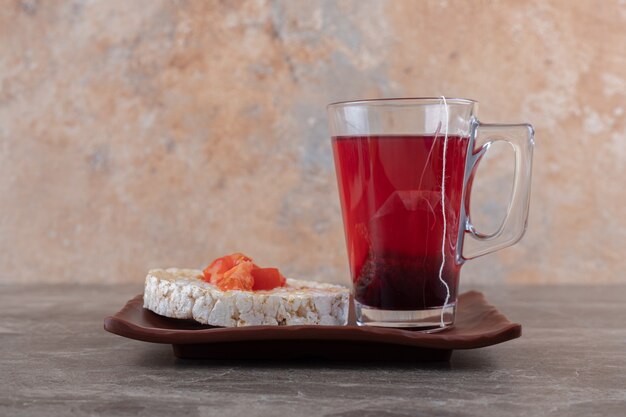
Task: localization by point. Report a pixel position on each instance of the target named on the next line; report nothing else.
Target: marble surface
(56, 360)
(157, 133)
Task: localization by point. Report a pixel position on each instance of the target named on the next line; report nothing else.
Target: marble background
(138, 134)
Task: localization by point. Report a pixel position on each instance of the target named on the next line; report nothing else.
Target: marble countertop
(56, 360)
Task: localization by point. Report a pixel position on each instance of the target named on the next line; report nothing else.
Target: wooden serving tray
(478, 324)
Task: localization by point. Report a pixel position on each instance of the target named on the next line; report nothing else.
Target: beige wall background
(139, 134)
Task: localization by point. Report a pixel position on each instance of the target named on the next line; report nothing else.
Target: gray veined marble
(56, 360)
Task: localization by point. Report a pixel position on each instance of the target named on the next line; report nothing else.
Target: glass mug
(404, 226)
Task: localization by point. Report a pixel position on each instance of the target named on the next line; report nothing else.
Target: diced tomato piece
(267, 279)
(237, 278)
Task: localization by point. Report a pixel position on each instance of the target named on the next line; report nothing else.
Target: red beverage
(390, 189)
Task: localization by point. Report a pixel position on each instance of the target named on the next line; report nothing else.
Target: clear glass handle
(521, 138)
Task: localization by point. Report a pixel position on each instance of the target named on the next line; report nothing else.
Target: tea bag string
(443, 209)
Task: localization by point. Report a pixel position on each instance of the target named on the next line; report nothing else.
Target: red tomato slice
(223, 264)
(237, 272)
(267, 279)
(238, 258)
(236, 278)
(218, 267)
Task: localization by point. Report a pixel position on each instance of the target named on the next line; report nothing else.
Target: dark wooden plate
(478, 324)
